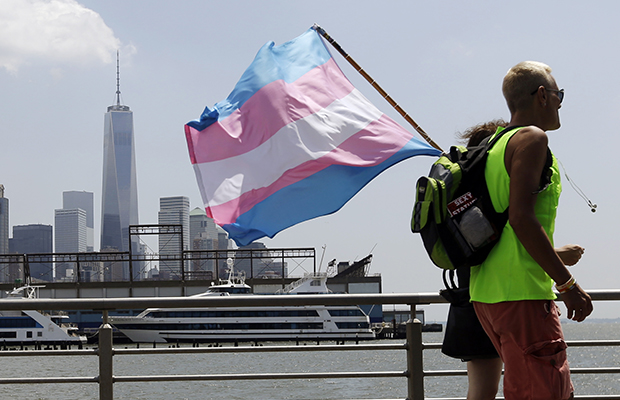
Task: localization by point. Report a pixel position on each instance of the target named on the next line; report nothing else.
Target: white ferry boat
(30, 327)
(215, 324)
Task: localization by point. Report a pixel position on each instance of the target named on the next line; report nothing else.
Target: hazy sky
(442, 61)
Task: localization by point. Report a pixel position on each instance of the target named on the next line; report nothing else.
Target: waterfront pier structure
(292, 264)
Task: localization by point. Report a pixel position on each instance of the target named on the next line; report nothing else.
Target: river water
(369, 388)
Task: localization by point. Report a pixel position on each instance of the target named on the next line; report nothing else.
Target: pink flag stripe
(271, 108)
(364, 149)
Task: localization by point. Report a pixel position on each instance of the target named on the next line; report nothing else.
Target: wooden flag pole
(374, 84)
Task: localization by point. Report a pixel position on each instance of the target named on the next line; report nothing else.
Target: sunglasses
(560, 93)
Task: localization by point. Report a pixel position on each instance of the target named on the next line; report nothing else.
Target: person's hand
(578, 303)
(570, 254)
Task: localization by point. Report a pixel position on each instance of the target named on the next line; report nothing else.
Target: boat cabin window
(346, 313)
(315, 282)
(235, 314)
(352, 325)
(225, 326)
(8, 335)
(231, 290)
(29, 334)
(19, 322)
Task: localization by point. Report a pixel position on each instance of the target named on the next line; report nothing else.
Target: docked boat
(218, 324)
(30, 327)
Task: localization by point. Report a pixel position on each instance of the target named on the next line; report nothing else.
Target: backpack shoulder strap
(545, 177)
(491, 140)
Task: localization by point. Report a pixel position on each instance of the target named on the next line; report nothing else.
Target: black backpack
(453, 211)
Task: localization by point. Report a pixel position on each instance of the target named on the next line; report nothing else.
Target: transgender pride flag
(293, 141)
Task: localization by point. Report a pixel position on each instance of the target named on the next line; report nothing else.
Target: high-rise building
(119, 203)
(70, 234)
(223, 242)
(4, 222)
(173, 210)
(256, 262)
(84, 200)
(34, 239)
(203, 235)
(199, 223)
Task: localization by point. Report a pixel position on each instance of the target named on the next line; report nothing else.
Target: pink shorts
(528, 337)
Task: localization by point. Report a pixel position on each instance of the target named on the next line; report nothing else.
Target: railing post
(415, 364)
(106, 379)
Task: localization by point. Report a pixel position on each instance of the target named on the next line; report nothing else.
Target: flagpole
(379, 89)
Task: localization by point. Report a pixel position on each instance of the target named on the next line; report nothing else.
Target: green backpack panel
(453, 211)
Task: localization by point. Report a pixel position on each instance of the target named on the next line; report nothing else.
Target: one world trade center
(119, 205)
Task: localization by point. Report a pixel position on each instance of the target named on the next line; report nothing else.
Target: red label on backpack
(461, 204)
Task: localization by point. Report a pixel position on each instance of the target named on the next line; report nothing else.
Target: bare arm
(525, 157)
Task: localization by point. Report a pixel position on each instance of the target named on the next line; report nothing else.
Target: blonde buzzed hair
(521, 80)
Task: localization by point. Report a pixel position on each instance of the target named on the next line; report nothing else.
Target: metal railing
(413, 346)
(130, 267)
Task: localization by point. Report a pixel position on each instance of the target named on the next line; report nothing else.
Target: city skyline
(69, 235)
(70, 203)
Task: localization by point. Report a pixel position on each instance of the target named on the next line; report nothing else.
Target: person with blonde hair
(484, 366)
(512, 290)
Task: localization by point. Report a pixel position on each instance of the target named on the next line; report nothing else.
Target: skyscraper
(260, 265)
(84, 200)
(202, 227)
(4, 222)
(173, 210)
(203, 235)
(34, 239)
(70, 233)
(119, 204)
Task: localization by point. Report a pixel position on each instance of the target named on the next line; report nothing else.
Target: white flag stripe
(317, 135)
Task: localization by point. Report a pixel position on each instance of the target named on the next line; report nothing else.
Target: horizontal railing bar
(601, 370)
(454, 398)
(457, 372)
(37, 353)
(602, 295)
(197, 350)
(592, 343)
(279, 376)
(260, 349)
(219, 301)
(241, 301)
(570, 343)
(577, 397)
(445, 372)
(43, 380)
